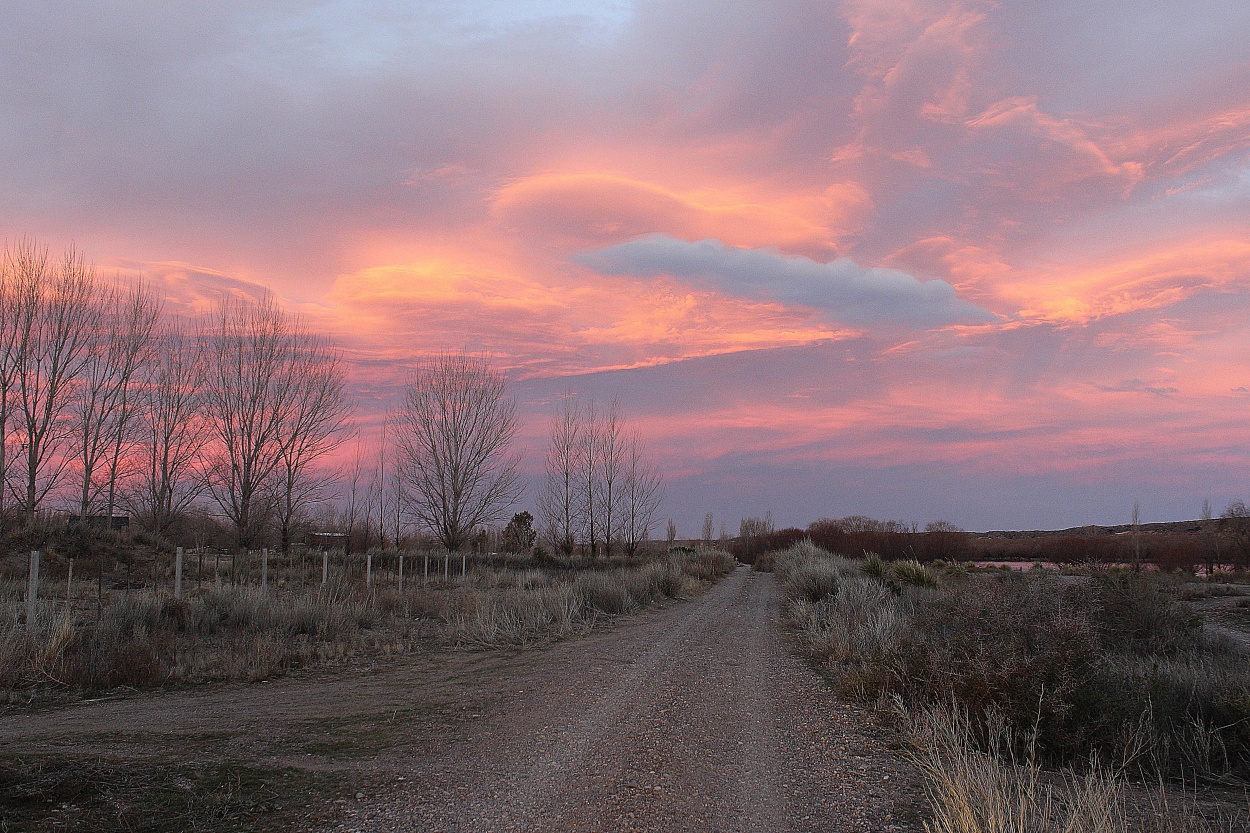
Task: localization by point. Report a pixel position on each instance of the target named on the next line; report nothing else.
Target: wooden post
(32, 592)
(69, 586)
(178, 574)
(369, 569)
(401, 572)
(325, 566)
(464, 563)
(447, 567)
(264, 569)
(199, 578)
(425, 571)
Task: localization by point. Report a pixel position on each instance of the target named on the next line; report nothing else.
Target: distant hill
(1168, 528)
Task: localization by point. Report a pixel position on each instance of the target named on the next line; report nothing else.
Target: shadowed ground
(691, 716)
(695, 719)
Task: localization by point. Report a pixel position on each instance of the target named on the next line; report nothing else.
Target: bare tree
(357, 506)
(9, 341)
(1234, 524)
(141, 312)
(1136, 536)
(250, 392)
(312, 427)
(452, 432)
(396, 511)
(52, 313)
(1211, 541)
(643, 494)
(670, 534)
(609, 461)
(751, 528)
(586, 465)
(589, 493)
(558, 505)
(173, 429)
(709, 528)
(599, 465)
(118, 347)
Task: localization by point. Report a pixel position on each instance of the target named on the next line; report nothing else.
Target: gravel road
(694, 718)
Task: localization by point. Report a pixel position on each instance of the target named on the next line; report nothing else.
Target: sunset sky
(986, 262)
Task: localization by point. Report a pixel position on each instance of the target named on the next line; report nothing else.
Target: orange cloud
(1084, 292)
(571, 211)
(402, 310)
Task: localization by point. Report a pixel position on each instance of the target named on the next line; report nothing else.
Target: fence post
(401, 572)
(32, 592)
(178, 574)
(325, 566)
(69, 586)
(369, 569)
(425, 572)
(264, 569)
(447, 567)
(464, 563)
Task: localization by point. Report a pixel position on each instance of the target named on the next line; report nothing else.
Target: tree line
(601, 491)
(108, 404)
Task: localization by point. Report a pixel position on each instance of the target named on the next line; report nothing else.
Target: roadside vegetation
(143, 638)
(1034, 701)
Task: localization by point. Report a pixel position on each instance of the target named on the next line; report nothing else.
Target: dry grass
(545, 606)
(973, 789)
(140, 638)
(1004, 674)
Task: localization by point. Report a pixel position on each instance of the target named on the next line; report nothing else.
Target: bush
(605, 593)
(912, 574)
(1116, 666)
(874, 566)
(1141, 612)
(709, 565)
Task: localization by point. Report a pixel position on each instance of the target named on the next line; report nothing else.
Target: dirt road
(695, 719)
(689, 717)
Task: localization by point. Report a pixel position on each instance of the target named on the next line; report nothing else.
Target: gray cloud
(844, 290)
(1138, 386)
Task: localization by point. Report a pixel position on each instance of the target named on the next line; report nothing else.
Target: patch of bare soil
(1227, 614)
(689, 717)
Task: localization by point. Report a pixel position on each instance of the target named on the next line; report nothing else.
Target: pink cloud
(411, 182)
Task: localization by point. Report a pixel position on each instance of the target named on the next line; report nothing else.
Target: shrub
(874, 566)
(1140, 612)
(1115, 666)
(605, 593)
(912, 574)
(709, 565)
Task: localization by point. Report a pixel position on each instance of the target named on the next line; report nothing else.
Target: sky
(983, 262)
